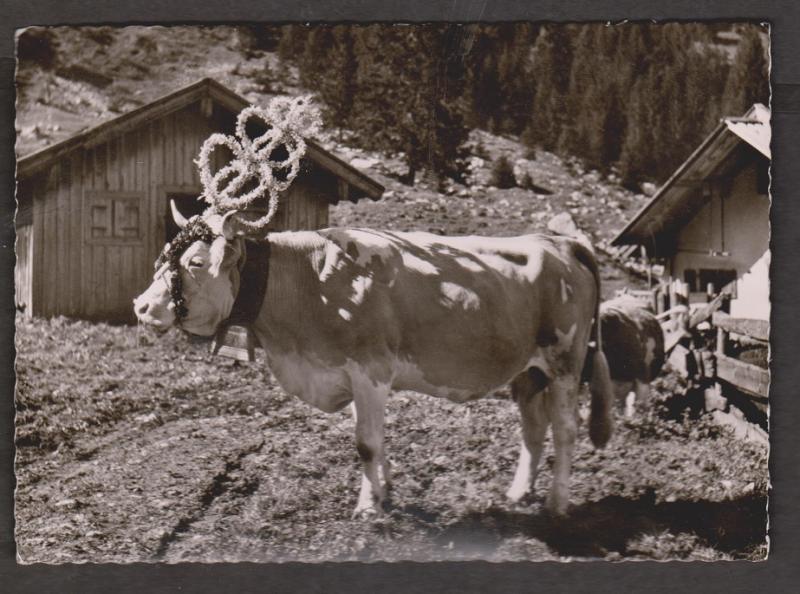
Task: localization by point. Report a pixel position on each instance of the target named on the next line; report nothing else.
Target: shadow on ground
(594, 529)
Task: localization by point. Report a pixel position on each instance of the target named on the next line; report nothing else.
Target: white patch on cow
(565, 339)
(650, 352)
(457, 295)
(469, 264)
(416, 264)
(366, 504)
(367, 244)
(522, 477)
(324, 299)
(630, 399)
(361, 284)
(334, 260)
(344, 314)
(566, 291)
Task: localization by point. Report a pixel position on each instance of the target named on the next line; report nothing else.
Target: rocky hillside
(69, 79)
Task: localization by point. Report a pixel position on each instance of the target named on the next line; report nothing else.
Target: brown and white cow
(633, 343)
(351, 314)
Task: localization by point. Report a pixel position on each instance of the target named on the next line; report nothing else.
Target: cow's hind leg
(642, 390)
(369, 404)
(622, 389)
(534, 426)
(560, 403)
(526, 389)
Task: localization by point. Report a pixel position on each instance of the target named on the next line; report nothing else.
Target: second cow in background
(633, 343)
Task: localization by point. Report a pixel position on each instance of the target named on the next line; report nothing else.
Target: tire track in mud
(222, 483)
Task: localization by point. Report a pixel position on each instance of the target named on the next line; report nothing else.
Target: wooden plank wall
(98, 280)
(306, 203)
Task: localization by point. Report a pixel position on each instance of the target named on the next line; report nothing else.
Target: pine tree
(337, 85)
(503, 173)
(315, 59)
(292, 42)
(407, 95)
(552, 62)
(748, 80)
(636, 159)
(639, 97)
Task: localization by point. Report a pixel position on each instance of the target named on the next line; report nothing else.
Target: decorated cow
(345, 316)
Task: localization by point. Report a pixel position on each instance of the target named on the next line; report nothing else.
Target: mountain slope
(96, 74)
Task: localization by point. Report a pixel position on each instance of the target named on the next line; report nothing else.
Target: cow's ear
(229, 225)
(223, 255)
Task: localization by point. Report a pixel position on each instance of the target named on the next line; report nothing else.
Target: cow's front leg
(560, 401)
(369, 405)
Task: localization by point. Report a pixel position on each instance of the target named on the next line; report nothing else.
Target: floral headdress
(272, 159)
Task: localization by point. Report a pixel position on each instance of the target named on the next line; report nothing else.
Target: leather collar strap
(253, 283)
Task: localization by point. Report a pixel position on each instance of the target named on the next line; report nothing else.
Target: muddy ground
(132, 448)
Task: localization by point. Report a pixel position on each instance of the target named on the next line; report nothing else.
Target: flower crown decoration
(195, 230)
(270, 162)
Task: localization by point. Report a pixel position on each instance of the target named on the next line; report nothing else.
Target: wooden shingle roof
(358, 184)
(672, 205)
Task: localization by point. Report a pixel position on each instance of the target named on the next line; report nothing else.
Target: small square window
(114, 217)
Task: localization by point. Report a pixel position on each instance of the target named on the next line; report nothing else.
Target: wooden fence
(746, 334)
(749, 378)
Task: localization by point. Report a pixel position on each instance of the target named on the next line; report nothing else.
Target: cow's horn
(179, 219)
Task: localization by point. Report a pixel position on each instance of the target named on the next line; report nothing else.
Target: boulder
(648, 189)
(363, 162)
(564, 224)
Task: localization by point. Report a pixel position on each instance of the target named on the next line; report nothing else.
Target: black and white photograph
(392, 292)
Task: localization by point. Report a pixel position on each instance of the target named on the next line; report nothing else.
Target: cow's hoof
(367, 512)
(516, 494)
(556, 508)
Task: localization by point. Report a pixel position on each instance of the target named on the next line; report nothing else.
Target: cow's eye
(196, 263)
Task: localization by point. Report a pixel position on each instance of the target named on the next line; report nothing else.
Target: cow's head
(197, 276)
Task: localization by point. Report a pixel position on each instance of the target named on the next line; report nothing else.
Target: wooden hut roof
(675, 202)
(358, 185)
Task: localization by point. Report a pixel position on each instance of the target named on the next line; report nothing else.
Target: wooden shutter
(114, 217)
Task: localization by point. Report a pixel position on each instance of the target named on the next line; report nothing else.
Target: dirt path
(232, 469)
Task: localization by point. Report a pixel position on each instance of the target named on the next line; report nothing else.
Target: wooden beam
(206, 106)
(706, 311)
(746, 377)
(344, 189)
(342, 170)
(758, 329)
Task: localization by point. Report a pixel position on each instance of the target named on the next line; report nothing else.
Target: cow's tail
(601, 419)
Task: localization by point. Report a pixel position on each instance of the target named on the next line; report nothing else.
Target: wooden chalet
(709, 223)
(93, 210)
(709, 226)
